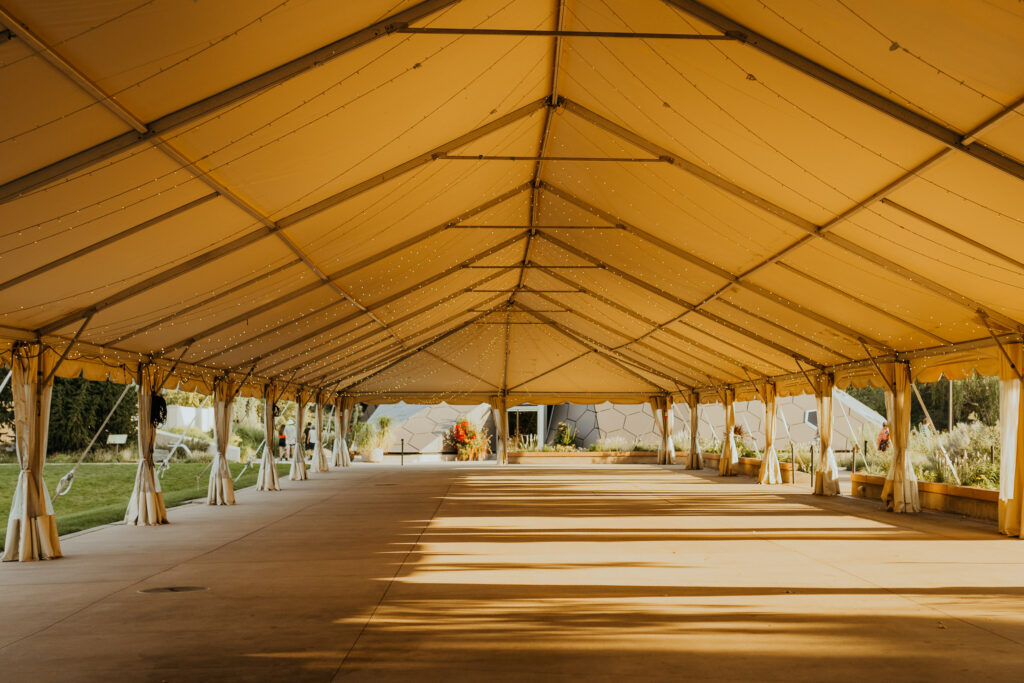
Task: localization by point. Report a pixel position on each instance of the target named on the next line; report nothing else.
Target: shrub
(471, 441)
(565, 436)
(249, 437)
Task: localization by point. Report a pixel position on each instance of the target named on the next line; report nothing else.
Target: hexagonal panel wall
(622, 425)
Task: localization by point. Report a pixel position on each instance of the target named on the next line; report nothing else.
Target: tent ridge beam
(196, 110)
(540, 33)
(495, 157)
(822, 74)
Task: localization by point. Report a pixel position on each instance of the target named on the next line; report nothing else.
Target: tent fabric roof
(356, 201)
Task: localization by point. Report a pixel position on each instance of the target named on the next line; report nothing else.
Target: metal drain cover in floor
(174, 589)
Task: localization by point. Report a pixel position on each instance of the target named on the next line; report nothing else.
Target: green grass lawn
(101, 490)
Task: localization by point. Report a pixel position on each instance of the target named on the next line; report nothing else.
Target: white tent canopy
(432, 201)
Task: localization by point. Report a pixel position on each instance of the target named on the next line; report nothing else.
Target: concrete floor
(449, 572)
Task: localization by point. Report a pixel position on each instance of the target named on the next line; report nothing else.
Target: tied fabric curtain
(661, 406)
(1011, 427)
(695, 462)
(500, 414)
(267, 479)
(319, 455)
(146, 505)
(221, 490)
(771, 472)
(730, 454)
(900, 489)
(826, 474)
(31, 527)
(297, 472)
(670, 426)
(342, 417)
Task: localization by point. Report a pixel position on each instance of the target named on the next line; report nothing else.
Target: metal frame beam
(732, 279)
(439, 31)
(1002, 256)
(602, 350)
(270, 228)
(866, 304)
(663, 327)
(327, 328)
(217, 101)
(89, 248)
(682, 303)
(629, 341)
(412, 241)
(200, 304)
(919, 122)
(285, 298)
(814, 231)
(494, 157)
(375, 354)
(413, 351)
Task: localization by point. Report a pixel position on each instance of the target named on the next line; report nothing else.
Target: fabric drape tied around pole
(499, 412)
(31, 527)
(771, 472)
(1011, 427)
(900, 489)
(297, 472)
(661, 406)
(342, 417)
(267, 480)
(221, 490)
(826, 473)
(319, 454)
(695, 461)
(146, 505)
(730, 459)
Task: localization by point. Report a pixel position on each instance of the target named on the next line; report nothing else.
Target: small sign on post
(117, 440)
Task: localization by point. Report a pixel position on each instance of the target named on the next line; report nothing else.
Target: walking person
(290, 437)
(307, 444)
(282, 442)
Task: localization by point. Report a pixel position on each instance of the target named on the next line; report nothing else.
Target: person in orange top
(883, 438)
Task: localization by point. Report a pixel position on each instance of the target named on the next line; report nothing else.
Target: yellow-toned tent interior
(540, 200)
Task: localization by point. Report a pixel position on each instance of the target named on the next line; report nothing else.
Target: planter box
(961, 500)
(751, 467)
(583, 458)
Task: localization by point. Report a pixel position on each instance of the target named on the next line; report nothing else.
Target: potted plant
(378, 436)
(470, 441)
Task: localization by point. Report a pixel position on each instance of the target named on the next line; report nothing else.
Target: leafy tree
(77, 408)
(973, 398)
